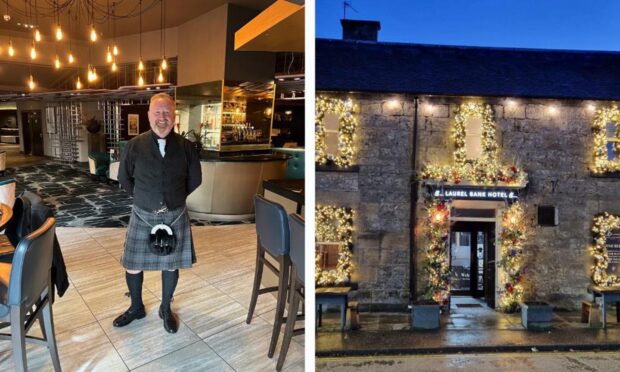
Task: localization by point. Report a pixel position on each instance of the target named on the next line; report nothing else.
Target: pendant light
(93, 32)
(33, 51)
(140, 64)
(57, 62)
(162, 37)
(11, 50)
(78, 83)
(31, 83)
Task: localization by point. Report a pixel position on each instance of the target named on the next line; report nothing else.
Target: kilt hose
(137, 254)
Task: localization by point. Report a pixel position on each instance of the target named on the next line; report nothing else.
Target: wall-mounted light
(591, 107)
(393, 103)
(429, 108)
(553, 110)
(511, 103)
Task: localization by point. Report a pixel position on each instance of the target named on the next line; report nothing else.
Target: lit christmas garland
(511, 242)
(437, 267)
(599, 131)
(483, 171)
(604, 224)
(346, 131)
(335, 224)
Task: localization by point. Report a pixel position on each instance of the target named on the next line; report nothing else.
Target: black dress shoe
(170, 322)
(128, 317)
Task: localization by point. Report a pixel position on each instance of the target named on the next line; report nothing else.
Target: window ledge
(334, 168)
(615, 174)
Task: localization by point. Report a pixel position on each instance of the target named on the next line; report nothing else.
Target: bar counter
(229, 184)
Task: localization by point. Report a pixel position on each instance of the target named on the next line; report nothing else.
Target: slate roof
(466, 71)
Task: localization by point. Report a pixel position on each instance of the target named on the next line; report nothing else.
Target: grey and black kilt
(138, 256)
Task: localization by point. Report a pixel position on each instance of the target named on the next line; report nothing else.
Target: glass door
(469, 255)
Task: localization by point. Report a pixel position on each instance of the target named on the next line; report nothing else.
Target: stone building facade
(402, 128)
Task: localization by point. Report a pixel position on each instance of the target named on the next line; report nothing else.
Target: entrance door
(33, 132)
(472, 251)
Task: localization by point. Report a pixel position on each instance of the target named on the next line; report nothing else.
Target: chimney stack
(360, 30)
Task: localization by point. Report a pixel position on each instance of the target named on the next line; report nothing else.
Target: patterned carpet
(77, 199)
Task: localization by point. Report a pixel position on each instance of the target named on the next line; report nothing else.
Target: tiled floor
(211, 301)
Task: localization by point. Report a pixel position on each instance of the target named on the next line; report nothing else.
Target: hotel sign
(474, 193)
(613, 252)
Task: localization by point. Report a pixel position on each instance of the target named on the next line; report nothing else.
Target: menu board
(613, 252)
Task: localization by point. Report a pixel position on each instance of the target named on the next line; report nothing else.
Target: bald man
(159, 168)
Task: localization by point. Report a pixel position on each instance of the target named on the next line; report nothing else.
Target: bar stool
(272, 237)
(296, 289)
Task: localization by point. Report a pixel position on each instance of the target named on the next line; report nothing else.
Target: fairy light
(347, 125)
(605, 115)
(437, 229)
(602, 227)
(485, 170)
(511, 242)
(335, 224)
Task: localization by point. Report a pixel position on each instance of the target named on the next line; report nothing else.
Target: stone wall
(554, 149)
(379, 193)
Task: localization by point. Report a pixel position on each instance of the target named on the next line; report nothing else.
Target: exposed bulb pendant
(140, 65)
(115, 50)
(31, 83)
(113, 65)
(37, 35)
(78, 83)
(108, 56)
(160, 77)
(140, 80)
(11, 50)
(90, 74)
(58, 33)
(71, 59)
(33, 51)
(164, 64)
(93, 34)
(57, 62)
(95, 77)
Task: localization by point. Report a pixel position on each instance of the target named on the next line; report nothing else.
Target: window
(613, 141)
(473, 137)
(330, 120)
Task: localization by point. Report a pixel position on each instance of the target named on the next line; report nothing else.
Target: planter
(425, 315)
(536, 315)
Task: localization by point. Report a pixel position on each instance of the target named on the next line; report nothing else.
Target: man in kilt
(159, 168)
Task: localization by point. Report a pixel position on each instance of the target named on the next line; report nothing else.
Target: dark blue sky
(552, 24)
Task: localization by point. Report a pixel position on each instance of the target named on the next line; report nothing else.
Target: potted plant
(536, 315)
(425, 314)
(195, 137)
(92, 125)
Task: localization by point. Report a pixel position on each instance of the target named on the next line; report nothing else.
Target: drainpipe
(412, 211)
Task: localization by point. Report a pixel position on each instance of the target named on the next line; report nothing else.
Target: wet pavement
(467, 329)
(530, 362)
